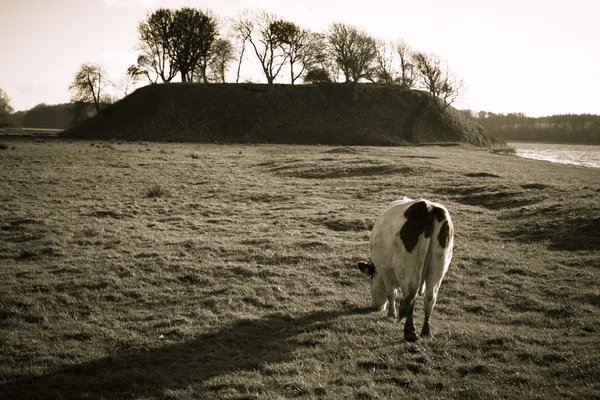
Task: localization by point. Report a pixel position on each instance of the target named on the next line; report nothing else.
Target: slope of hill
(323, 113)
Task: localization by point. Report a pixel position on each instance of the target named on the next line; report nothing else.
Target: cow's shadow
(244, 345)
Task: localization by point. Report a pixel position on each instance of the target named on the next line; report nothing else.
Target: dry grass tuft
(156, 191)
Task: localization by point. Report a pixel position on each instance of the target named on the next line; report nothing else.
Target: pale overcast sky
(541, 57)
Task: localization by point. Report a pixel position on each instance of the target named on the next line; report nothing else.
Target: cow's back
(400, 240)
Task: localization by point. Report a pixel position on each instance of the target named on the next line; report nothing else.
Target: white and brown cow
(411, 248)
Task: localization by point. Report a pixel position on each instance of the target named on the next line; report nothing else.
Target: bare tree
(155, 37)
(88, 85)
(338, 39)
(5, 109)
(241, 30)
(452, 87)
(385, 71)
(354, 51)
(407, 69)
(437, 79)
(322, 58)
(137, 71)
(299, 45)
(430, 72)
(222, 56)
(263, 31)
(208, 48)
(126, 84)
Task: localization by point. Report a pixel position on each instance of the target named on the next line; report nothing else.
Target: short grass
(238, 281)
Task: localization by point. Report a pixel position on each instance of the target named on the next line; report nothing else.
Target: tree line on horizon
(571, 128)
(197, 46)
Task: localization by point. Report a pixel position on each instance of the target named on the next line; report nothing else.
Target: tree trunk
(355, 90)
(97, 105)
(237, 79)
(204, 78)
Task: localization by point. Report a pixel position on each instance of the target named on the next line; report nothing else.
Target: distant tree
(407, 68)
(241, 30)
(16, 118)
(88, 85)
(583, 128)
(5, 109)
(468, 113)
(436, 78)
(137, 71)
(191, 36)
(222, 57)
(56, 116)
(338, 40)
(452, 88)
(384, 70)
(124, 86)
(297, 45)
(430, 72)
(322, 57)
(318, 75)
(354, 51)
(155, 36)
(264, 32)
(481, 114)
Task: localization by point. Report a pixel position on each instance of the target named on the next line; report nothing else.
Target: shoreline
(574, 154)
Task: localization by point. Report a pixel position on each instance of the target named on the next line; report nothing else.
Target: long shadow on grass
(244, 345)
(561, 232)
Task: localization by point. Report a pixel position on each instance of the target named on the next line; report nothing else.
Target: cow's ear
(366, 268)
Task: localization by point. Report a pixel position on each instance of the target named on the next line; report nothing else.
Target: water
(577, 154)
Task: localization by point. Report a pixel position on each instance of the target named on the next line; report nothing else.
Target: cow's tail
(436, 215)
(416, 235)
(424, 249)
(420, 221)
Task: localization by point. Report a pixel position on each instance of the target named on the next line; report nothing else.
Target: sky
(539, 57)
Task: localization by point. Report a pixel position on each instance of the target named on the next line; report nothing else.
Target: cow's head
(379, 298)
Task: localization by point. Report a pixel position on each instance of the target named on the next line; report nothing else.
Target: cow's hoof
(411, 337)
(425, 332)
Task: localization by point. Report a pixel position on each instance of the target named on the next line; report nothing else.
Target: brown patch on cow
(418, 221)
(439, 214)
(446, 232)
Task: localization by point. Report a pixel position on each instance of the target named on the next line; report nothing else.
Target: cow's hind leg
(432, 286)
(406, 310)
(429, 302)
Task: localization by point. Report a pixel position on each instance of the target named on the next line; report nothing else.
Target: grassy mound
(304, 114)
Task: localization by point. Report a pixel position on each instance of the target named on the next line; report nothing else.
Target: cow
(411, 248)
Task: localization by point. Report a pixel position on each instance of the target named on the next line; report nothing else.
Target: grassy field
(186, 271)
